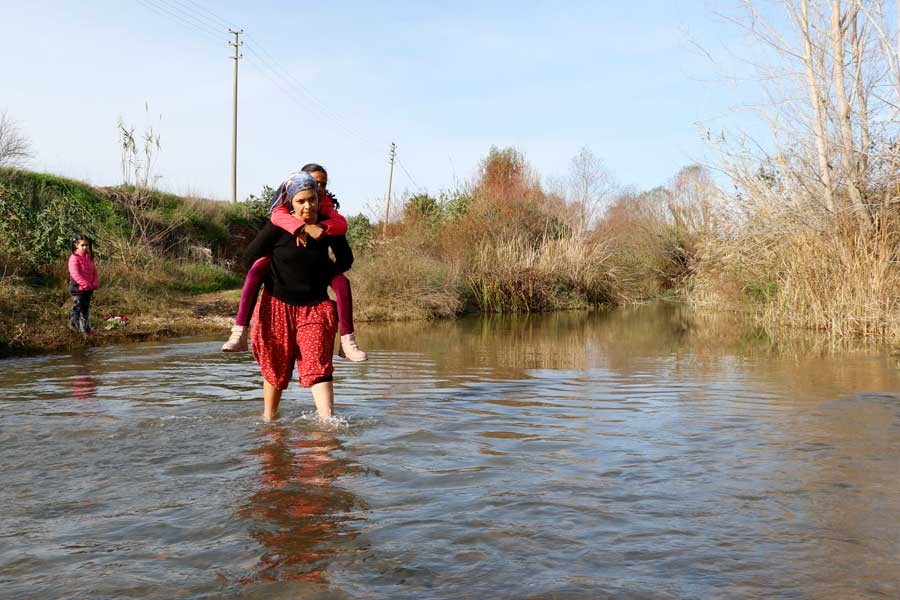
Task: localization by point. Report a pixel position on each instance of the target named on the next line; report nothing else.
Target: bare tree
(14, 147)
(591, 185)
(793, 171)
(880, 160)
(831, 75)
(813, 55)
(138, 193)
(692, 195)
(858, 38)
(848, 150)
(137, 177)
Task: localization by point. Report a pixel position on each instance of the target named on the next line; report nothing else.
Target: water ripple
(607, 457)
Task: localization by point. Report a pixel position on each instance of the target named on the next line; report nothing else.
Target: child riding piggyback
(331, 222)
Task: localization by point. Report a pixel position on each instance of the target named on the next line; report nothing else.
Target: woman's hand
(314, 231)
(302, 238)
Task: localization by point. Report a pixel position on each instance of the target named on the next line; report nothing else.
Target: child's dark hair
(317, 168)
(83, 238)
(313, 168)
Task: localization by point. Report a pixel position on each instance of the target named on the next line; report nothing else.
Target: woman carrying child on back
(83, 281)
(295, 320)
(331, 223)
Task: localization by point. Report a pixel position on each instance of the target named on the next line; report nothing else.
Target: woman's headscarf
(296, 182)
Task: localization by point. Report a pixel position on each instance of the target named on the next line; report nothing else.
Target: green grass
(198, 278)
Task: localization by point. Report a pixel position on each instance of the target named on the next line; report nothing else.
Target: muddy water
(643, 453)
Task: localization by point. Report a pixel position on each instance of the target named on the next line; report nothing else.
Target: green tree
(360, 231)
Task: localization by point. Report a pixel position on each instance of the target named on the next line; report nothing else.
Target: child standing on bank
(83, 281)
(331, 223)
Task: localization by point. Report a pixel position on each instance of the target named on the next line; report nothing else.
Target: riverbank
(40, 326)
(501, 243)
(158, 254)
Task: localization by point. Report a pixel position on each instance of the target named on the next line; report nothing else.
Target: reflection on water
(659, 338)
(649, 452)
(298, 508)
(83, 384)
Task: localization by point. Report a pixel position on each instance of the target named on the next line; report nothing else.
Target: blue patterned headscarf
(296, 182)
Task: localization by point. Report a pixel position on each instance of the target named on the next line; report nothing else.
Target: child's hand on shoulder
(314, 231)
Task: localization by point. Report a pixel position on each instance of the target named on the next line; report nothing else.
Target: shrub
(39, 214)
(399, 282)
(656, 239)
(423, 211)
(455, 204)
(360, 232)
(520, 276)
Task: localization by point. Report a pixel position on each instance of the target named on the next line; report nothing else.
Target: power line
(297, 93)
(166, 11)
(168, 14)
(323, 110)
(276, 66)
(182, 11)
(221, 21)
(188, 13)
(196, 16)
(191, 18)
(300, 105)
(410, 177)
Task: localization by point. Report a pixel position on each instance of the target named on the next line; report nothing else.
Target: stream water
(639, 453)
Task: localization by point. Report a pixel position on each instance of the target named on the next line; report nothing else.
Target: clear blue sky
(337, 83)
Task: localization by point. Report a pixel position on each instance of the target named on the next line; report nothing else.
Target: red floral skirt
(284, 334)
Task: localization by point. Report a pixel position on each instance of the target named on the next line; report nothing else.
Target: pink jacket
(83, 273)
(330, 219)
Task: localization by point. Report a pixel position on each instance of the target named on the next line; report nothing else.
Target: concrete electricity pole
(237, 43)
(387, 209)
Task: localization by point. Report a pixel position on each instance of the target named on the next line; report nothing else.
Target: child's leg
(237, 342)
(86, 310)
(344, 300)
(75, 318)
(250, 291)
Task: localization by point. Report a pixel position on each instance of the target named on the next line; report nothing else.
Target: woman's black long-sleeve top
(298, 275)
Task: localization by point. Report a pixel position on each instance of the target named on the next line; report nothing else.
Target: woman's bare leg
(323, 396)
(271, 399)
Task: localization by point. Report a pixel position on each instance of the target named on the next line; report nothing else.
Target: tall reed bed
(522, 275)
(845, 282)
(401, 280)
(793, 270)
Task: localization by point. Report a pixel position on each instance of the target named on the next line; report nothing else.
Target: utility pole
(237, 43)
(387, 209)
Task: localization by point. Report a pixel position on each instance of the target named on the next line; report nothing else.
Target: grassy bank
(501, 243)
(155, 267)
